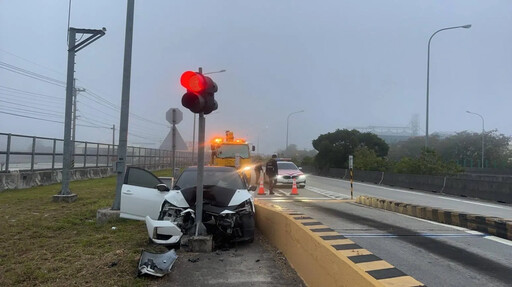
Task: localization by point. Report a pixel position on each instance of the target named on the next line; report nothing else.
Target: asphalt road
(433, 253)
(342, 187)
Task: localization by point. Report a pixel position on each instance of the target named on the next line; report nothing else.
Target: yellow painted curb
(320, 260)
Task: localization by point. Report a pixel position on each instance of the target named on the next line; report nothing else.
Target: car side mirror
(162, 187)
(300, 168)
(252, 188)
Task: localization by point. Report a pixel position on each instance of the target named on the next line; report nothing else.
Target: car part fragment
(156, 264)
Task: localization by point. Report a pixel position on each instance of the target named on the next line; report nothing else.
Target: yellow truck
(233, 152)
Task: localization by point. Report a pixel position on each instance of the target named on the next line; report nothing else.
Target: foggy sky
(346, 63)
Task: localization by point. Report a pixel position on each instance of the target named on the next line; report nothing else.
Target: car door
(139, 195)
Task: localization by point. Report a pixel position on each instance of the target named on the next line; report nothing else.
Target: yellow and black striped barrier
(322, 256)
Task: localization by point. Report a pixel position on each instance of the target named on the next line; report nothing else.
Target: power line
(25, 99)
(27, 106)
(117, 108)
(31, 74)
(29, 117)
(34, 63)
(46, 120)
(13, 90)
(30, 112)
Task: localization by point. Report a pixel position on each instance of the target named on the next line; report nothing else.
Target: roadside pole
(73, 47)
(174, 116)
(351, 167)
(125, 105)
(200, 228)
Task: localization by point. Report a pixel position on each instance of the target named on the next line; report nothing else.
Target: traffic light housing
(200, 95)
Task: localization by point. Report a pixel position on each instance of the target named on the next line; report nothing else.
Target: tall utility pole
(73, 47)
(113, 136)
(73, 135)
(125, 104)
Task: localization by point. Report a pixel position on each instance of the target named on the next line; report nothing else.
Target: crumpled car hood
(214, 195)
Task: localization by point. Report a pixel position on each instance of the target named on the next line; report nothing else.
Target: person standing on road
(271, 171)
(258, 169)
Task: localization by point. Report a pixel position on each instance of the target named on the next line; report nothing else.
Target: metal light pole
(483, 134)
(125, 104)
(287, 126)
(428, 72)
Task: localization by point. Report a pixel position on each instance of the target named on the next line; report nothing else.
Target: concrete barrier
(368, 176)
(486, 224)
(323, 257)
(496, 188)
(500, 191)
(20, 180)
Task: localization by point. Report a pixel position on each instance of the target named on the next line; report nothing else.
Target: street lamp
(483, 134)
(287, 126)
(428, 71)
(221, 71)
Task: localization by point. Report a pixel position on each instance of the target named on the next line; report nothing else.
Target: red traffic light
(193, 81)
(200, 95)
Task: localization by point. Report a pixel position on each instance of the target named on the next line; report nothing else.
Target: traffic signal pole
(200, 228)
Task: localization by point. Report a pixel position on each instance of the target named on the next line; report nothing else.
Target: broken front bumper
(163, 232)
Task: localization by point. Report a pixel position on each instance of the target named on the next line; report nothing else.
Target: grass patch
(59, 244)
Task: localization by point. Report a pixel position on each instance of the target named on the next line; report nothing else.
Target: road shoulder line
(490, 225)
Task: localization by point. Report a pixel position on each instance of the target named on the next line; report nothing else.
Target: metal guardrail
(31, 153)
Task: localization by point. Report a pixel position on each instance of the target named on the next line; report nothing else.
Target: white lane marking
(296, 198)
(348, 235)
(327, 193)
(426, 195)
(499, 240)
(282, 193)
(473, 232)
(433, 222)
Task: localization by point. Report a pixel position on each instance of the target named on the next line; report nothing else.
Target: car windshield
(286, 165)
(226, 151)
(222, 178)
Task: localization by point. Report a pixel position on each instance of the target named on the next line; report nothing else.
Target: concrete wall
(484, 186)
(28, 179)
(19, 180)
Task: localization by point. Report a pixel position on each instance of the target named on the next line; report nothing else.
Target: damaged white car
(228, 206)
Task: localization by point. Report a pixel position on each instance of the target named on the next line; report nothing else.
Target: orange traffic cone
(294, 188)
(261, 190)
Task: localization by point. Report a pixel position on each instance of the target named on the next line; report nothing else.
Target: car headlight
(279, 177)
(302, 176)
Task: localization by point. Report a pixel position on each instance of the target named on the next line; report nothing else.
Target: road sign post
(174, 116)
(351, 168)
